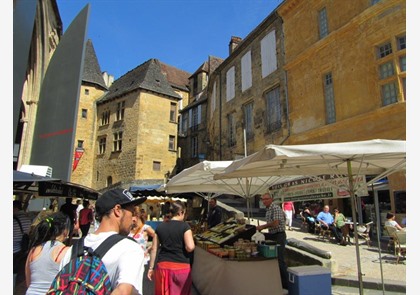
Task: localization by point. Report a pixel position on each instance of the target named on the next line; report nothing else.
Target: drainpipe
(287, 111)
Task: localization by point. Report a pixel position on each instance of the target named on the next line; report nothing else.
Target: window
(401, 42)
(172, 115)
(105, 118)
(392, 70)
(389, 94)
(84, 113)
(184, 125)
(384, 50)
(118, 141)
(323, 23)
(248, 118)
(156, 166)
(402, 64)
(120, 111)
(273, 109)
(230, 84)
(231, 130)
(268, 54)
(80, 143)
(86, 91)
(386, 70)
(171, 143)
(329, 98)
(102, 145)
(194, 147)
(246, 72)
(194, 115)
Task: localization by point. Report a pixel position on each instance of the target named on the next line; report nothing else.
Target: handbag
(24, 243)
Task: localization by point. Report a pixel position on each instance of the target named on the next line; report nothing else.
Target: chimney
(234, 42)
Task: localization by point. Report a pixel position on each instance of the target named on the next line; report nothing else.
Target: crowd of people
(163, 256)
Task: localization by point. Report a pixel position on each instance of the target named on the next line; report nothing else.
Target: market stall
(225, 255)
(214, 275)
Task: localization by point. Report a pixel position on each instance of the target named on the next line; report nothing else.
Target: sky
(181, 33)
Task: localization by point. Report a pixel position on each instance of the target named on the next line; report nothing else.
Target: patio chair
(363, 231)
(400, 244)
(390, 230)
(304, 224)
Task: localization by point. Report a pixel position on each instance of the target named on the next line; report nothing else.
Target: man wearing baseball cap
(124, 261)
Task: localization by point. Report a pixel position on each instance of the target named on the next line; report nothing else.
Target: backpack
(85, 273)
(24, 243)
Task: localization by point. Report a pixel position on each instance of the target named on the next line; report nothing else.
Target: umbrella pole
(356, 238)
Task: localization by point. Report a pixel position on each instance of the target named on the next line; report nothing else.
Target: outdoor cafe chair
(400, 244)
(390, 230)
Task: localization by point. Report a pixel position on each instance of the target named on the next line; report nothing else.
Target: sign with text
(317, 188)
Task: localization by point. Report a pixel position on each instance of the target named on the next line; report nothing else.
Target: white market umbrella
(372, 157)
(200, 180)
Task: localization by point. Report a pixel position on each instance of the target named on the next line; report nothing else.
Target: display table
(217, 276)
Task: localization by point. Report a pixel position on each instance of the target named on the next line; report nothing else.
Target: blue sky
(181, 33)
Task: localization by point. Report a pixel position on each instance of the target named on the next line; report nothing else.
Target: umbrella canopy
(30, 183)
(349, 159)
(200, 179)
(373, 157)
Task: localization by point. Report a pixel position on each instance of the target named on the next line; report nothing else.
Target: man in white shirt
(124, 261)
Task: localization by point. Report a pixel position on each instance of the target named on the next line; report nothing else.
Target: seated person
(310, 219)
(326, 221)
(339, 221)
(390, 221)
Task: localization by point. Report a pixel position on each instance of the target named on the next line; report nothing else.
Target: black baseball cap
(113, 197)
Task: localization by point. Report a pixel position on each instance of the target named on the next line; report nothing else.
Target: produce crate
(245, 233)
(268, 251)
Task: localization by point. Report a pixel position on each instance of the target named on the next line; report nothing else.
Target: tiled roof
(91, 70)
(151, 75)
(214, 63)
(176, 77)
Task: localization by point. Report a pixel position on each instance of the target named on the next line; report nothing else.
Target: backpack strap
(107, 244)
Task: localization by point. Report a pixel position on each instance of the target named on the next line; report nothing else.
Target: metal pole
(377, 221)
(356, 238)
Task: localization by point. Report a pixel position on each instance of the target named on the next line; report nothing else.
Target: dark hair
(389, 215)
(48, 229)
(177, 208)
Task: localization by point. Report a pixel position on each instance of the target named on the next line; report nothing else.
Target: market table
(213, 275)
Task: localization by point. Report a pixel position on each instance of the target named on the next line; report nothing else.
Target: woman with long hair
(47, 248)
(171, 268)
(141, 232)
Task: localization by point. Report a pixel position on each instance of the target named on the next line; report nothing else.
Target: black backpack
(85, 273)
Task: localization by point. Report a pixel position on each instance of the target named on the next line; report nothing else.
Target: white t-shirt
(118, 260)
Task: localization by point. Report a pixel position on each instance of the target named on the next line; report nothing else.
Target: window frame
(248, 110)
(119, 114)
(329, 99)
(117, 141)
(273, 109)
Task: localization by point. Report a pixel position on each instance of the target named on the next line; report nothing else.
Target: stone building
(193, 140)
(346, 72)
(137, 126)
(247, 94)
(93, 87)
